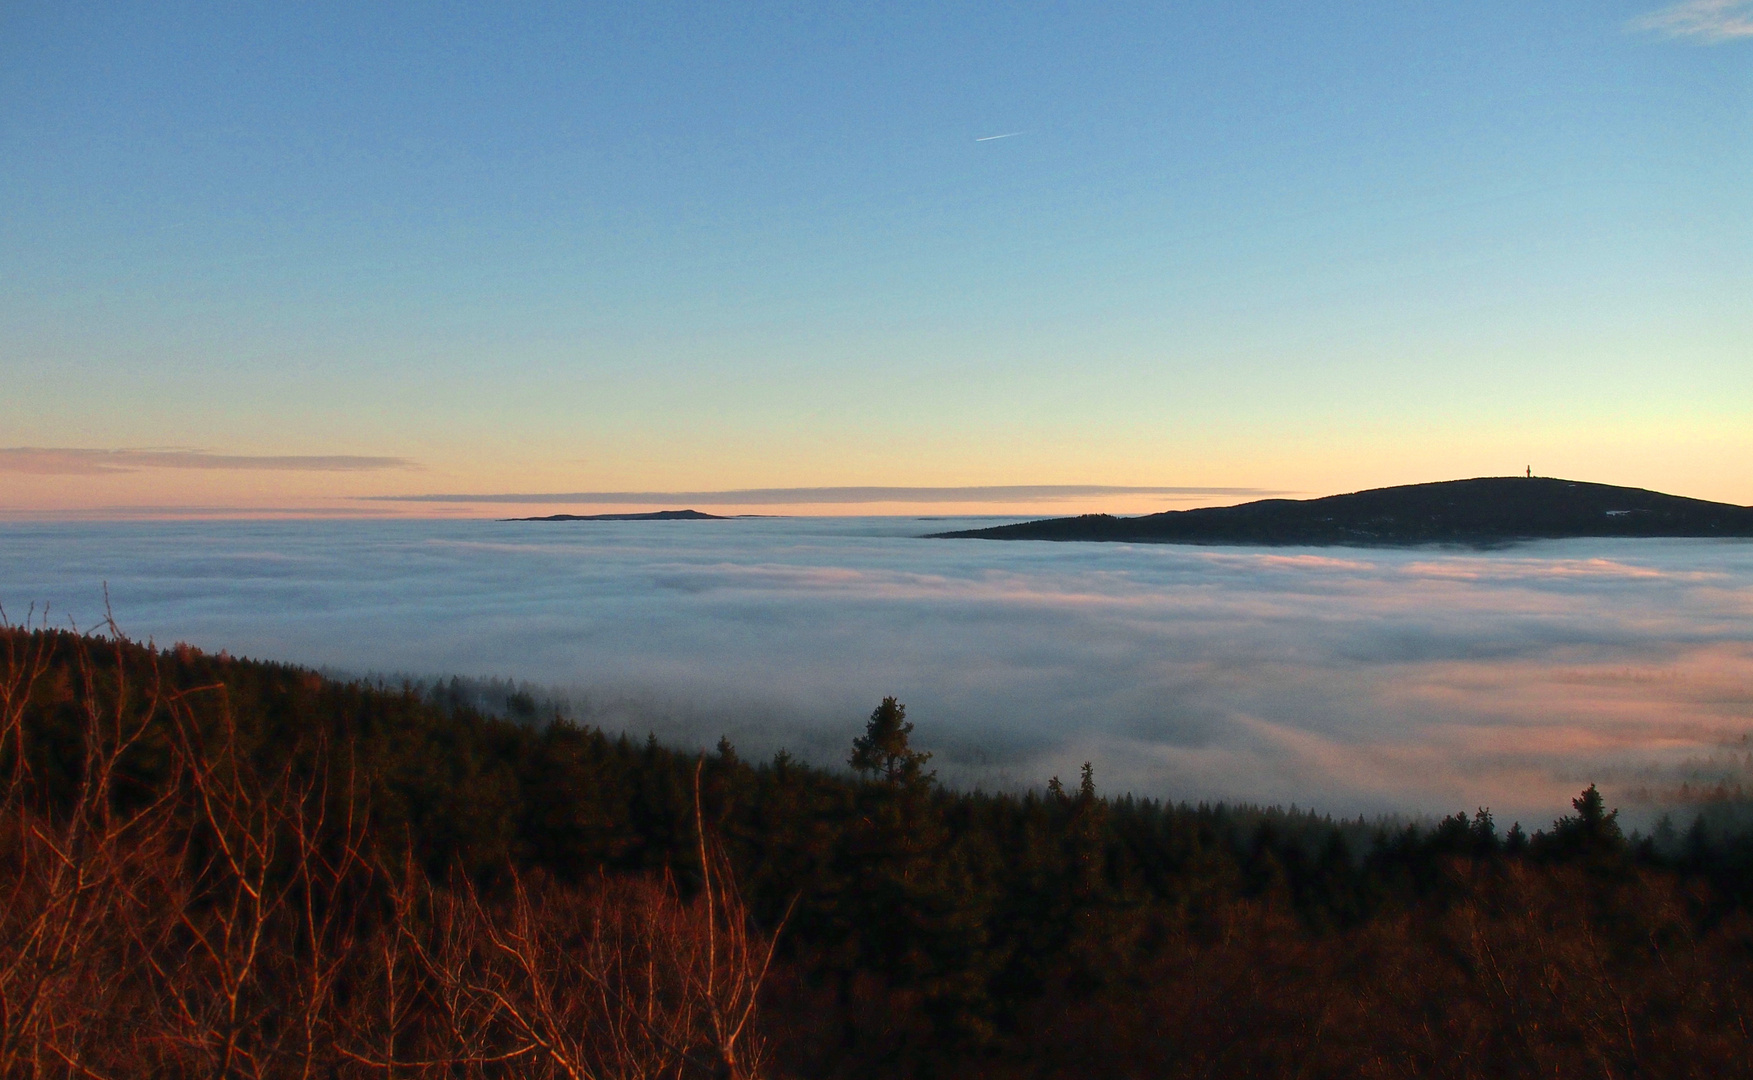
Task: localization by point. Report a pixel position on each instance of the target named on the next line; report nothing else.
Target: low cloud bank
(826, 496)
(1355, 681)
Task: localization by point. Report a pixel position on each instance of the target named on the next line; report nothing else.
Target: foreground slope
(224, 868)
(1485, 510)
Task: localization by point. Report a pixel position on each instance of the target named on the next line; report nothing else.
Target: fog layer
(1351, 680)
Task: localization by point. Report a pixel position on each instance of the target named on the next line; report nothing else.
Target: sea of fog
(1351, 680)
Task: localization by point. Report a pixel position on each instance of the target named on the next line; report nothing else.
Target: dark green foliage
(1592, 834)
(930, 932)
(882, 751)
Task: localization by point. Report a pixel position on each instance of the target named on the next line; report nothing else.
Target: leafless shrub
(234, 922)
(624, 981)
(74, 874)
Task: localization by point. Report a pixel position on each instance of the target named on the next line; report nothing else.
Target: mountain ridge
(1477, 511)
(655, 515)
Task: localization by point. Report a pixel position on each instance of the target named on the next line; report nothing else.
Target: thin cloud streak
(829, 495)
(76, 461)
(187, 512)
(1709, 21)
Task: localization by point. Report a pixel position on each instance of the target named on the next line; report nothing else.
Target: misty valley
(905, 541)
(1118, 810)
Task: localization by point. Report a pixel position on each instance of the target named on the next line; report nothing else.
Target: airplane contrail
(989, 138)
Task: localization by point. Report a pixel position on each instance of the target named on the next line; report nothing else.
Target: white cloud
(1710, 21)
(73, 461)
(1351, 680)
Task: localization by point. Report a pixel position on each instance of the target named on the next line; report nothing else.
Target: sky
(304, 259)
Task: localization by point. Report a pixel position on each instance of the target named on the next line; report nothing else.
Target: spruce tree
(883, 751)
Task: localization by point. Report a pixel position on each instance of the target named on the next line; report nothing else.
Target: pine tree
(883, 751)
(1591, 833)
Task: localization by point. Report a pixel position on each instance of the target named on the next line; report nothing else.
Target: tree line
(234, 868)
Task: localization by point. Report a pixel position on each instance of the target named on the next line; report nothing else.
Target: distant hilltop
(656, 515)
(1486, 510)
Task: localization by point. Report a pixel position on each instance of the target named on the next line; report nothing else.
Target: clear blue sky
(515, 248)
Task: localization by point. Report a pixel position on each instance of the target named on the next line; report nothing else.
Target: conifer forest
(224, 868)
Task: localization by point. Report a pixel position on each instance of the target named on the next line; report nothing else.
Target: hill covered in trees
(235, 868)
(1485, 510)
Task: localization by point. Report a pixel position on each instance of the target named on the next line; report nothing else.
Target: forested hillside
(1485, 510)
(224, 867)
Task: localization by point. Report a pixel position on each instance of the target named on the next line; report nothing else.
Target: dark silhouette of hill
(1485, 510)
(656, 515)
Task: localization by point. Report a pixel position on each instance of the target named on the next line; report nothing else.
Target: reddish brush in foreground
(232, 920)
(224, 868)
